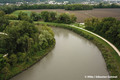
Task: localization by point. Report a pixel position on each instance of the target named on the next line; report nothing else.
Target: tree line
(11, 8)
(24, 44)
(89, 7)
(78, 7)
(101, 5)
(45, 16)
(58, 18)
(109, 28)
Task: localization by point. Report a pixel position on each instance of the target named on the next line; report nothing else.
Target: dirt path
(100, 38)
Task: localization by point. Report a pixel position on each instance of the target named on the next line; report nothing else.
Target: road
(100, 38)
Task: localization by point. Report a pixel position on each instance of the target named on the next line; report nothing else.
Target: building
(112, 1)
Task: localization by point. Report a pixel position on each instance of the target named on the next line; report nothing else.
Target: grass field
(18, 11)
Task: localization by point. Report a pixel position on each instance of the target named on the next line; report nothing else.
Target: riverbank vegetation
(108, 28)
(112, 59)
(22, 46)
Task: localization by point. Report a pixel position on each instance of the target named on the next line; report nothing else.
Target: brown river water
(73, 58)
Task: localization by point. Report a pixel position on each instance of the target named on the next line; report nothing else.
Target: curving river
(73, 58)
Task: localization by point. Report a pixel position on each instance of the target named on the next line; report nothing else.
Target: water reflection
(65, 34)
(59, 32)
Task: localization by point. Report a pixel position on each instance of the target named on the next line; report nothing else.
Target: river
(73, 58)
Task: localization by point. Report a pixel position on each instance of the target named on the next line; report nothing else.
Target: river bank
(73, 58)
(111, 57)
(40, 55)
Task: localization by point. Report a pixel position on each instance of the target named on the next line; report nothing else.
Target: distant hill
(13, 1)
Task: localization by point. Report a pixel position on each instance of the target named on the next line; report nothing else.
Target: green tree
(73, 18)
(21, 15)
(3, 21)
(19, 36)
(13, 59)
(21, 57)
(3, 44)
(64, 18)
(35, 16)
(5, 70)
(45, 16)
(2, 13)
(43, 41)
(24, 16)
(106, 24)
(108, 28)
(11, 17)
(52, 16)
(92, 24)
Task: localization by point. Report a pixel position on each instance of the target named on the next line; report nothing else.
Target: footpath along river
(73, 58)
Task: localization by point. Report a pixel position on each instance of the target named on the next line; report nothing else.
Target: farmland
(82, 15)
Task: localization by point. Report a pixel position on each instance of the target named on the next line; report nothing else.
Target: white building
(112, 1)
(65, 2)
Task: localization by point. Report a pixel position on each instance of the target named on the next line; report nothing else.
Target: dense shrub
(11, 17)
(34, 16)
(3, 21)
(24, 16)
(106, 27)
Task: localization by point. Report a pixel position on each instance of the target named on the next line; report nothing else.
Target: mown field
(84, 14)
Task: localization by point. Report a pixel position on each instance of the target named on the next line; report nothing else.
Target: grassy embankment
(111, 57)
